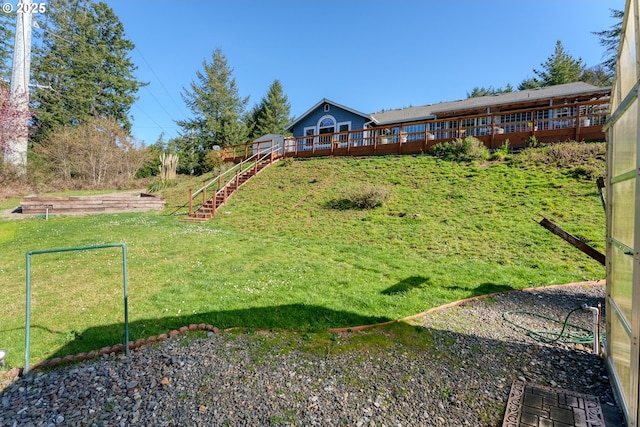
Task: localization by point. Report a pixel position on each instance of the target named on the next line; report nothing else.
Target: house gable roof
(569, 90)
(335, 104)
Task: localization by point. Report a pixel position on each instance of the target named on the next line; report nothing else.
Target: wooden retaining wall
(91, 204)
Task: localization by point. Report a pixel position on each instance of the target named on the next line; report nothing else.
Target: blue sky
(368, 55)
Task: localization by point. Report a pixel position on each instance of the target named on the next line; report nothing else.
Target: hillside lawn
(282, 255)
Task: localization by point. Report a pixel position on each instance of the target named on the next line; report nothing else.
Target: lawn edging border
(119, 348)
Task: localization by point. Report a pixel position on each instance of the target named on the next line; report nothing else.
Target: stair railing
(232, 175)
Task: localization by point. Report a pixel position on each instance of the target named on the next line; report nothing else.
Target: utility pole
(16, 153)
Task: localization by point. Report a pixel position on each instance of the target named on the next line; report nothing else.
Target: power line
(160, 82)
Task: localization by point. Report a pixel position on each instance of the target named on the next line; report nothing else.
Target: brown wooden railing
(577, 121)
(204, 202)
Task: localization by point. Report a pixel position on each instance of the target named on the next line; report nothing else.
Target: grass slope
(279, 255)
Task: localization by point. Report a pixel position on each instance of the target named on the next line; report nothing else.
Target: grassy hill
(284, 253)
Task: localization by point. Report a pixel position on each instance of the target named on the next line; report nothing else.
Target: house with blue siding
(327, 117)
(569, 111)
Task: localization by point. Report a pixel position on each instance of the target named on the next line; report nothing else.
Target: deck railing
(219, 184)
(576, 121)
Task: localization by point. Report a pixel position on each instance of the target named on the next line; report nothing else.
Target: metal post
(126, 299)
(27, 338)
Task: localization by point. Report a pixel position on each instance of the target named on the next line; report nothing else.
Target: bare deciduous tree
(99, 151)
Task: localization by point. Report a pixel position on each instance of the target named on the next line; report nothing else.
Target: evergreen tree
(85, 65)
(7, 24)
(560, 68)
(597, 76)
(610, 40)
(485, 91)
(529, 83)
(272, 115)
(217, 108)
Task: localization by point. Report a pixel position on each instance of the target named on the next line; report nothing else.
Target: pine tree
(217, 108)
(272, 115)
(529, 83)
(610, 40)
(7, 25)
(560, 68)
(84, 65)
(485, 91)
(597, 76)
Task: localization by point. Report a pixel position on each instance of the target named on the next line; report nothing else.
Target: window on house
(309, 132)
(326, 125)
(343, 127)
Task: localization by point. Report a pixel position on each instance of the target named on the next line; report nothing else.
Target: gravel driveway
(451, 367)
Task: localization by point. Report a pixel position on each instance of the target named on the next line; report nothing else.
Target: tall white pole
(16, 153)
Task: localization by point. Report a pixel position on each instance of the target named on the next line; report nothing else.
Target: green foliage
(533, 142)
(560, 68)
(85, 60)
(287, 162)
(597, 76)
(610, 40)
(216, 105)
(272, 115)
(6, 43)
(486, 91)
(461, 150)
(362, 196)
(501, 153)
(158, 185)
(576, 159)
(212, 160)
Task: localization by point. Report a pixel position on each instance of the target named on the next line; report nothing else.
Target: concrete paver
(539, 406)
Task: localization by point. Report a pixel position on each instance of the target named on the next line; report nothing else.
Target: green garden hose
(580, 335)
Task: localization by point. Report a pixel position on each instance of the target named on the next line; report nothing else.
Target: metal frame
(625, 93)
(83, 248)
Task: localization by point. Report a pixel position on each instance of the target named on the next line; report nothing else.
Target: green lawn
(278, 255)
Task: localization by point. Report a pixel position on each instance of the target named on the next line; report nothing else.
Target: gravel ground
(451, 367)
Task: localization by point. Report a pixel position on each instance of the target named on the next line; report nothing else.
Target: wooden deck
(581, 121)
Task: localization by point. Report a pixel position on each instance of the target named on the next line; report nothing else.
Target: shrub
(158, 185)
(364, 196)
(533, 142)
(501, 153)
(578, 159)
(286, 162)
(212, 160)
(461, 150)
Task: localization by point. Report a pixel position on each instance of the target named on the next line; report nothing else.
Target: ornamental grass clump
(468, 149)
(365, 196)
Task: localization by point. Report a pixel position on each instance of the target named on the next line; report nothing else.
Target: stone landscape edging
(118, 348)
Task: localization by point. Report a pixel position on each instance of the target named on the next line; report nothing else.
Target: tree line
(86, 85)
(561, 67)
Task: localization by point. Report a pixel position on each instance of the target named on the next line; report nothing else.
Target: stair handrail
(260, 155)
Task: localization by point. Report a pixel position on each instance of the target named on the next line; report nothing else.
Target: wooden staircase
(227, 186)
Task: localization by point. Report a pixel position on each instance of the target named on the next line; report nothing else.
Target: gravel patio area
(462, 378)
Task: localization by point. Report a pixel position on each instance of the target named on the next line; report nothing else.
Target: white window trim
(305, 129)
(338, 130)
(343, 123)
(325, 117)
